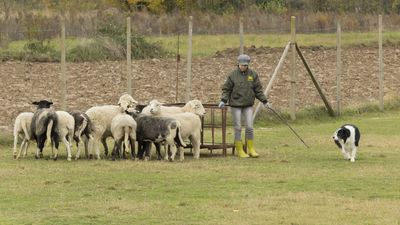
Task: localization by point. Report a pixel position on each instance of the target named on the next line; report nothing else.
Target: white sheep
(123, 128)
(101, 117)
(22, 129)
(194, 106)
(65, 131)
(190, 129)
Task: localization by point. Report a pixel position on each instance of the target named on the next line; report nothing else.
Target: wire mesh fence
(96, 65)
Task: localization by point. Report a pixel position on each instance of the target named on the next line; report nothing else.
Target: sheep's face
(196, 107)
(155, 107)
(42, 104)
(126, 101)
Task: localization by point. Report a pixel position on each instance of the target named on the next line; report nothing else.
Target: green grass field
(288, 184)
(207, 45)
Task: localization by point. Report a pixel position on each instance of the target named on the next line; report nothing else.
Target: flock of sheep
(155, 123)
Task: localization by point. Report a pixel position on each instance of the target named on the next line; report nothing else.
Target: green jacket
(241, 89)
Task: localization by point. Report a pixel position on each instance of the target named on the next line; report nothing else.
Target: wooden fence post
(189, 62)
(292, 102)
(381, 75)
(241, 49)
(178, 59)
(128, 56)
(339, 71)
(63, 65)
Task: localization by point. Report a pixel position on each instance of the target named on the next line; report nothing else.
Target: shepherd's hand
(267, 105)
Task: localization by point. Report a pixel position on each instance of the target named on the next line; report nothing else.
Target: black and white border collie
(347, 138)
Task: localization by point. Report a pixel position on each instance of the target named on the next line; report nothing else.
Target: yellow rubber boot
(250, 149)
(239, 149)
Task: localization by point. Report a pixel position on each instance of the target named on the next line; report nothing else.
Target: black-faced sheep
(44, 123)
(51, 125)
(157, 130)
(22, 130)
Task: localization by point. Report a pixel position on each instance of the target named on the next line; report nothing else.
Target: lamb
(190, 124)
(22, 129)
(83, 126)
(44, 123)
(101, 117)
(157, 130)
(193, 106)
(123, 128)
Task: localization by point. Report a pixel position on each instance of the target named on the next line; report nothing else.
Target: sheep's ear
(35, 103)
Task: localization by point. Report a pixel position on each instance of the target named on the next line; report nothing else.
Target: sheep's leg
(181, 154)
(147, 148)
(56, 145)
(69, 141)
(15, 146)
(104, 142)
(40, 146)
(52, 149)
(89, 146)
(158, 150)
(37, 153)
(77, 140)
(86, 145)
(166, 157)
(26, 148)
(20, 149)
(173, 152)
(78, 151)
(114, 151)
(121, 149)
(132, 145)
(68, 148)
(96, 147)
(140, 150)
(196, 147)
